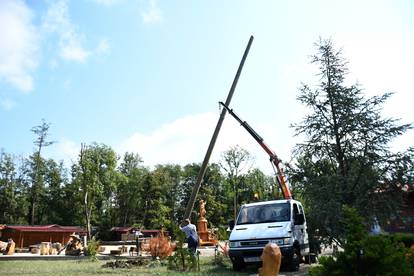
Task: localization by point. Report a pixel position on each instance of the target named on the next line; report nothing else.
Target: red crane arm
(273, 157)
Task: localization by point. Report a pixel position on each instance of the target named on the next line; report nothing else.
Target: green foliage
(213, 193)
(354, 229)
(219, 258)
(130, 191)
(236, 162)
(92, 249)
(154, 199)
(364, 254)
(223, 234)
(183, 259)
(345, 158)
(380, 256)
(13, 197)
(95, 177)
(406, 238)
(256, 186)
(37, 173)
(98, 193)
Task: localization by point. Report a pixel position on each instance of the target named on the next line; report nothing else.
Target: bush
(183, 259)
(378, 255)
(367, 255)
(160, 247)
(92, 248)
(222, 233)
(406, 238)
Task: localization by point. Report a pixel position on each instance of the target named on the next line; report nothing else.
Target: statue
(202, 209)
(207, 237)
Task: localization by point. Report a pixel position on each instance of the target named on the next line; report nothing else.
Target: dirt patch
(126, 264)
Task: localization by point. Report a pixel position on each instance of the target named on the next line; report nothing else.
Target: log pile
(7, 248)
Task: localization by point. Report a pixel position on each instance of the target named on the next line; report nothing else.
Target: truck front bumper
(253, 255)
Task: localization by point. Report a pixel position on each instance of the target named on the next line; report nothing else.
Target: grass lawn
(86, 267)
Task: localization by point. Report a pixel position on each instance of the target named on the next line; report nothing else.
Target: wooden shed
(24, 235)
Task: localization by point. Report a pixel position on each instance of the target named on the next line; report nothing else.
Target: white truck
(281, 222)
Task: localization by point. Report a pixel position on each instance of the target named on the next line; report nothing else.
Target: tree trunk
(87, 216)
(32, 218)
(339, 154)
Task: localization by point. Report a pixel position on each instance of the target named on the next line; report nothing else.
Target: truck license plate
(251, 259)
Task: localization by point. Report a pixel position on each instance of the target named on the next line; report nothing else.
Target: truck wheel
(294, 261)
(307, 259)
(238, 265)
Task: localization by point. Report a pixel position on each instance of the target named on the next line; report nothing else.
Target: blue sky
(146, 76)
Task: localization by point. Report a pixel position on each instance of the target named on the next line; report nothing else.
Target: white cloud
(69, 149)
(153, 14)
(64, 149)
(19, 43)
(185, 140)
(108, 2)
(103, 47)
(74, 52)
(7, 104)
(57, 20)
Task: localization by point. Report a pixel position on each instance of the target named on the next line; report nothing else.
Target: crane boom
(274, 159)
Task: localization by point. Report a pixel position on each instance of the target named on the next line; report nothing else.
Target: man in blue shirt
(190, 231)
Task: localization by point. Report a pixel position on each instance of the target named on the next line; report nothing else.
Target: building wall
(25, 239)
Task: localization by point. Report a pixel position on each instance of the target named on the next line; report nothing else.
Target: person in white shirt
(190, 231)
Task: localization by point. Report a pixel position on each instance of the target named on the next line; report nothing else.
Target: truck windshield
(264, 213)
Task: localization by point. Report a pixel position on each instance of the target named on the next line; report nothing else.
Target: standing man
(190, 231)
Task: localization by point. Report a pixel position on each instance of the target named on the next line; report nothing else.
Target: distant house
(128, 233)
(403, 221)
(119, 233)
(25, 236)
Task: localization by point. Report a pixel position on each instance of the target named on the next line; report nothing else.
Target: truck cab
(281, 222)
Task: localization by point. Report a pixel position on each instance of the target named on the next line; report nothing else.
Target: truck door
(299, 230)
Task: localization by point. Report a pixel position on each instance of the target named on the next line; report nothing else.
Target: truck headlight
(234, 244)
(278, 241)
(287, 240)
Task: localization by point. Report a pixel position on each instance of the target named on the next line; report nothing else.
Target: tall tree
(55, 180)
(154, 200)
(173, 178)
(37, 167)
(130, 190)
(236, 161)
(8, 202)
(255, 185)
(13, 192)
(213, 192)
(95, 175)
(8, 187)
(344, 158)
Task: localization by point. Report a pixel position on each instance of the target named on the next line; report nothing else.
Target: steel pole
(196, 188)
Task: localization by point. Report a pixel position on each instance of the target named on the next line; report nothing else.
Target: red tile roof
(45, 228)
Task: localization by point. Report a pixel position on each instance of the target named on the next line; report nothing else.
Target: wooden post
(21, 238)
(203, 168)
(271, 259)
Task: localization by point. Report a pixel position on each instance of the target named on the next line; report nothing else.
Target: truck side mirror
(299, 219)
(231, 224)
